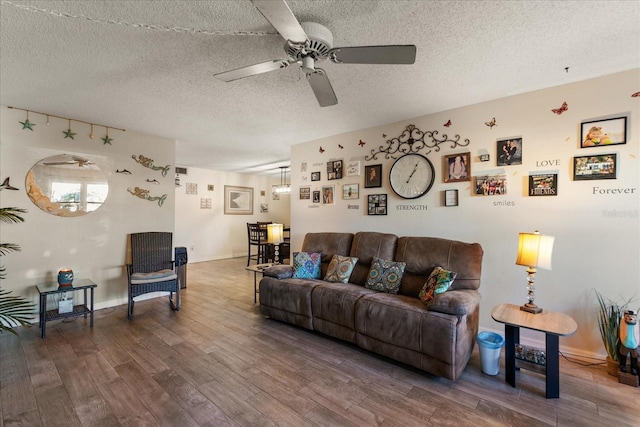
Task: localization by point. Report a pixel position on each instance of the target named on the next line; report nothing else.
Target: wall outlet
(191, 247)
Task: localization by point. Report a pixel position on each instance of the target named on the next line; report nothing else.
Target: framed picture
(509, 152)
(353, 168)
(456, 167)
(544, 184)
(315, 176)
(451, 197)
(305, 193)
(373, 176)
(327, 194)
(602, 166)
(274, 192)
(334, 169)
(377, 204)
(316, 197)
(238, 200)
(351, 191)
(603, 132)
(490, 185)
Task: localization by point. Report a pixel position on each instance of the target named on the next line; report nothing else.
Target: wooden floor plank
(218, 362)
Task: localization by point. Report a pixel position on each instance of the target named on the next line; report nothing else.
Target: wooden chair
(257, 236)
(152, 268)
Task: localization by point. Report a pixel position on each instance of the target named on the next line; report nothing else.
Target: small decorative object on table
(65, 278)
(629, 338)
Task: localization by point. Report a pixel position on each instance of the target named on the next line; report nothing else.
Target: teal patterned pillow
(306, 265)
(438, 282)
(385, 276)
(340, 269)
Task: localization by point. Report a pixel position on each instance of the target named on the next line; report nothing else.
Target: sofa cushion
(438, 282)
(422, 254)
(333, 308)
(306, 265)
(340, 269)
(385, 276)
(365, 246)
(328, 244)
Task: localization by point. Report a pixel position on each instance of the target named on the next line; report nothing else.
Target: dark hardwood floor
(218, 362)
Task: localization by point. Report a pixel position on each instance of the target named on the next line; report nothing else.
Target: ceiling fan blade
(392, 54)
(282, 19)
(322, 88)
(252, 70)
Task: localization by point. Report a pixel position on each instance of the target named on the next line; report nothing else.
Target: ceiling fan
(308, 43)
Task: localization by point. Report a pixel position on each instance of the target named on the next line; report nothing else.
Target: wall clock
(412, 176)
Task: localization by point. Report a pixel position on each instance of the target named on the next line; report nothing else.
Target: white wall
(94, 245)
(209, 234)
(597, 235)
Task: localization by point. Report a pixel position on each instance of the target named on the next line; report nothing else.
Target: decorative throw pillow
(438, 282)
(340, 269)
(306, 265)
(385, 276)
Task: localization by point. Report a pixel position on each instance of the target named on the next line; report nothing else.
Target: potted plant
(14, 310)
(609, 316)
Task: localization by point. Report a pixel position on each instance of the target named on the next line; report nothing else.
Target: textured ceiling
(106, 70)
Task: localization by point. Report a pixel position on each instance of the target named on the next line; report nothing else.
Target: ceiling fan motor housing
(320, 43)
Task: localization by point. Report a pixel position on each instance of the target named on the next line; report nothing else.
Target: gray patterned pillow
(385, 276)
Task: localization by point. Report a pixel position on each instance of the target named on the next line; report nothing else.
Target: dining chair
(256, 237)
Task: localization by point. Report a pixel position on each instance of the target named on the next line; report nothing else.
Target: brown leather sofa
(437, 338)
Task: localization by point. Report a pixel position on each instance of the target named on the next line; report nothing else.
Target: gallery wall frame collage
(594, 134)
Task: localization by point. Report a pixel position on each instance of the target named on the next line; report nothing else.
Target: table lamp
(534, 251)
(275, 236)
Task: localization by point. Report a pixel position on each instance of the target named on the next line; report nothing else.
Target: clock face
(412, 176)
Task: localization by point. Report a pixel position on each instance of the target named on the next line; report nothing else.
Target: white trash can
(490, 345)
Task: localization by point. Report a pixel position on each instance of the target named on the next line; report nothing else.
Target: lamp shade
(275, 234)
(534, 250)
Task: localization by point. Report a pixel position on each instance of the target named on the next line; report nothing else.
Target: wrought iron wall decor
(144, 194)
(148, 163)
(412, 140)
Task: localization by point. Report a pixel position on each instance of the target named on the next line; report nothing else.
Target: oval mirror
(67, 185)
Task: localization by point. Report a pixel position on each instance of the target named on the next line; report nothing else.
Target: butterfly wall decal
(361, 143)
(384, 135)
(321, 150)
(562, 109)
(340, 146)
(635, 95)
(492, 123)
(447, 124)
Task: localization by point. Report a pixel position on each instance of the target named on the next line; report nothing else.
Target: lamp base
(531, 308)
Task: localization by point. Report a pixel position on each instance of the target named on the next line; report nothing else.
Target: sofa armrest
(456, 302)
(279, 271)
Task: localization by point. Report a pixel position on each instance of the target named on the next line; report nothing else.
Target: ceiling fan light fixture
(308, 65)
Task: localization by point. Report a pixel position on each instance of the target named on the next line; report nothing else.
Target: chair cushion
(306, 265)
(385, 276)
(154, 276)
(340, 269)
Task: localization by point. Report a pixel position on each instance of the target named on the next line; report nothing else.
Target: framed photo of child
(603, 132)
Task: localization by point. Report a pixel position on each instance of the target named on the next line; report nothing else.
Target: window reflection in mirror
(67, 185)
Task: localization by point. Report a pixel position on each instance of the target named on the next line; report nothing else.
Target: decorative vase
(65, 278)
(612, 367)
